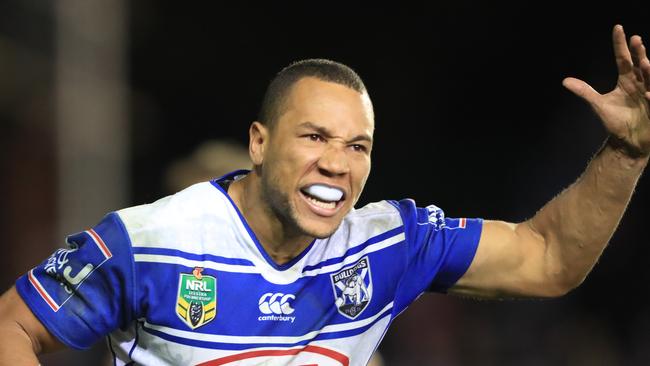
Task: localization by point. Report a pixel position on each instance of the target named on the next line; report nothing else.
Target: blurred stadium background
(106, 104)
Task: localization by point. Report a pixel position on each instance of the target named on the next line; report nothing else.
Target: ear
(258, 135)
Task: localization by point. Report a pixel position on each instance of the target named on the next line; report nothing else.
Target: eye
(315, 137)
(359, 148)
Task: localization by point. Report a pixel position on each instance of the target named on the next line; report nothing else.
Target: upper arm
(512, 260)
(83, 293)
(18, 320)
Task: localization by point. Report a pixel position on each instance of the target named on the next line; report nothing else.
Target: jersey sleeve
(439, 249)
(85, 291)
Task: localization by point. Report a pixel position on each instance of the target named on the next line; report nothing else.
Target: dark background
(470, 116)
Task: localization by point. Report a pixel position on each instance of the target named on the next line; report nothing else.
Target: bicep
(511, 260)
(17, 319)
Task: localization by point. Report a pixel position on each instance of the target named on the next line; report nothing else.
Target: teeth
(329, 205)
(324, 193)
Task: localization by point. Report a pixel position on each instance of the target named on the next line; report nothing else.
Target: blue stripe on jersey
(357, 249)
(192, 256)
(243, 346)
(135, 342)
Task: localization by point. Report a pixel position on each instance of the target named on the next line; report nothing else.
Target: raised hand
(624, 111)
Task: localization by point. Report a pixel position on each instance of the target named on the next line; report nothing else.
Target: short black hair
(322, 69)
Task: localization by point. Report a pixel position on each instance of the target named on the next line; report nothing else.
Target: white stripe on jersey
(41, 291)
(196, 336)
(170, 259)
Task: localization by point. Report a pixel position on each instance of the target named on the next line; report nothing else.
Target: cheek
(361, 167)
(303, 158)
(290, 162)
(361, 172)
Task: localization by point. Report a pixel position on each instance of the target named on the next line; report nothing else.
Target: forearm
(15, 346)
(22, 336)
(578, 223)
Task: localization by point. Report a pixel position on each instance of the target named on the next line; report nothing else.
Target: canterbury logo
(277, 303)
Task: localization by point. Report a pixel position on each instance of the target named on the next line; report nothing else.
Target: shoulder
(196, 197)
(382, 211)
(371, 220)
(175, 213)
(405, 210)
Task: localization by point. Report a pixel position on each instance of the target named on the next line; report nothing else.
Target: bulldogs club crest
(353, 288)
(197, 298)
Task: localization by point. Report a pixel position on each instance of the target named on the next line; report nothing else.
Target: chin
(322, 235)
(320, 231)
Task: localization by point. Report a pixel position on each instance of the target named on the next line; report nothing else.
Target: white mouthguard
(324, 193)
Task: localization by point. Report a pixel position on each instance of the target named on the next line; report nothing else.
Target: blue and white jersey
(184, 281)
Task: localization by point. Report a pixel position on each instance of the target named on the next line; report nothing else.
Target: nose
(334, 160)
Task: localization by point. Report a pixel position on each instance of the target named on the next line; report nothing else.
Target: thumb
(581, 89)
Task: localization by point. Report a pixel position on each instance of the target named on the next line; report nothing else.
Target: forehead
(328, 103)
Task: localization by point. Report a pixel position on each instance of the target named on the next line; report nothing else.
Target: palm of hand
(625, 111)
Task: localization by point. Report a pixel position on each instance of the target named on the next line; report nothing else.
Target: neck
(280, 241)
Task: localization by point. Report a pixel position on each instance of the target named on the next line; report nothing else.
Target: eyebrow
(325, 132)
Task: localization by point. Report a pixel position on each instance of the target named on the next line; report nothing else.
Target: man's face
(317, 157)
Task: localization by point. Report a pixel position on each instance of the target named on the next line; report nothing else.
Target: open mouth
(323, 196)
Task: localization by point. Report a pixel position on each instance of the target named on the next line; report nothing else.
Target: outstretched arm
(554, 251)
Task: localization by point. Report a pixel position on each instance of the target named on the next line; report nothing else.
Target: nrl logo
(197, 298)
(353, 288)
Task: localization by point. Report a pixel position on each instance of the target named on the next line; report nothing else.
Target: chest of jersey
(220, 313)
